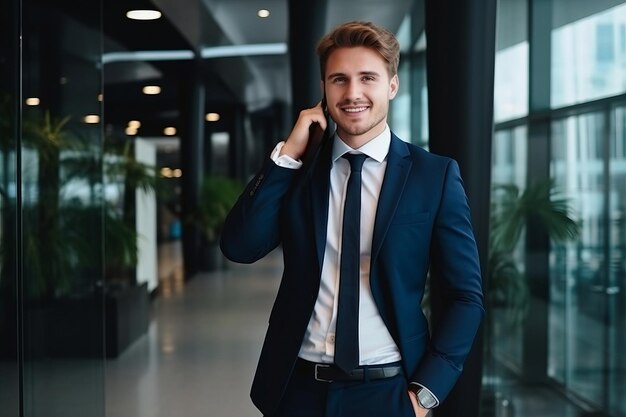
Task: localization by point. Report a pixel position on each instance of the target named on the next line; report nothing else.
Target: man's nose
(353, 91)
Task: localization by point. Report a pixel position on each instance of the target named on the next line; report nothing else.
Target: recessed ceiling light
(134, 124)
(166, 172)
(130, 131)
(151, 89)
(143, 14)
(263, 13)
(177, 173)
(169, 131)
(212, 117)
(92, 119)
(32, 101)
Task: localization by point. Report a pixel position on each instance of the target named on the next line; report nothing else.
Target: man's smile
(354, 110)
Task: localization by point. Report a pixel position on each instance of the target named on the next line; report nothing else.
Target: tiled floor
(199, 356)
(200, 353)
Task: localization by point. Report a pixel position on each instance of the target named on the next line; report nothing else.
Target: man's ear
(394, 86)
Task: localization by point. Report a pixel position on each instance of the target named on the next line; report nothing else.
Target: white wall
(146, 221)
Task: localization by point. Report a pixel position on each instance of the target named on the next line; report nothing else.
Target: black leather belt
(330, 373)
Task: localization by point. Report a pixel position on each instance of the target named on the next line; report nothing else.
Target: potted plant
(217, 196)
(66, 222)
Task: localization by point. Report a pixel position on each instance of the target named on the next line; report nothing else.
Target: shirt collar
(377, 148)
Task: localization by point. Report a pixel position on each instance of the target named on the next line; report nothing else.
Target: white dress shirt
(376, 346)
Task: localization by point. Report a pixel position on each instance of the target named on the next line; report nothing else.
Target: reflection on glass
(577, 326)
(588, 56)
(401, 104)
(617, 265)
(9, 366)
(62, 213)
(511, 82)
(509, 161)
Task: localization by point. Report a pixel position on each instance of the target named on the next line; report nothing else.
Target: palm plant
(217, 196)
(60, 252)
(510, 214)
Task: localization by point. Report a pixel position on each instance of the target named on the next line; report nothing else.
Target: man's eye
(368, 78)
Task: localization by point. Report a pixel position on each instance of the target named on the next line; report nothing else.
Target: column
(535, 332)
(306, 27)
(460, 65)
(191, 154)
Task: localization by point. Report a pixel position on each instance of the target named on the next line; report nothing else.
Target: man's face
(358, 90)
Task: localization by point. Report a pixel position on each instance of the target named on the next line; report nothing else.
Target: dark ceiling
(251, 82)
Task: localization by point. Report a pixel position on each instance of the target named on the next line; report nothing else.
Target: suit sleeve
(455, 264)
(252, 226)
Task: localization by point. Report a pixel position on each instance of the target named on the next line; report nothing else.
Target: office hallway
(199, 355)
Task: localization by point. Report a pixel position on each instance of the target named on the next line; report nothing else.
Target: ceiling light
(134, 124)
(212, 117)
(244, 50)
(177, 173)
(143, 14)
(92, 119)
(32, 101)
(263, 13)
(169, 131)
(151, 89)
(100, 97)
(175, 55)
(131, 131)
(166, 172)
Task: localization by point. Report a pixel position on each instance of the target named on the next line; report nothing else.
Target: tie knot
(356, 160)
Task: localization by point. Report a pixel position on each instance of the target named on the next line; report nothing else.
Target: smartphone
(317, 136)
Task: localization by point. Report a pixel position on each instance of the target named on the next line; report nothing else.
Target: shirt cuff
(284, 161)
(428, 391)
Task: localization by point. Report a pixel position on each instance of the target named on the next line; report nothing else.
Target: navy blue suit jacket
(422, 221)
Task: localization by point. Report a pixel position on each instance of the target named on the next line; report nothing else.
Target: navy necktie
(347, 331)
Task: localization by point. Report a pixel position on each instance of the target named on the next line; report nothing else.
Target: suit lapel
(396, 174)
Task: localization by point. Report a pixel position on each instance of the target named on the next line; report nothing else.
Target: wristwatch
(424, 397)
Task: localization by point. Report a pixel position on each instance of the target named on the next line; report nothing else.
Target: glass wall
(576, 319)
(511, 69)
(51, 257)
(615, 289)
(507, 295)
(588, 54)
(9, 124)
(587, 331)
(568, 347)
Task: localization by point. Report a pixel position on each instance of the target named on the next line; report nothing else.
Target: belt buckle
(317, 367)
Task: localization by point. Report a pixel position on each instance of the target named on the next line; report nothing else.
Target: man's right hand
(296, 143)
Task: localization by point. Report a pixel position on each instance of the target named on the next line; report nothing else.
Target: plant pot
(127, 317)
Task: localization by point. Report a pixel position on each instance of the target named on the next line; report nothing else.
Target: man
(321, 357)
